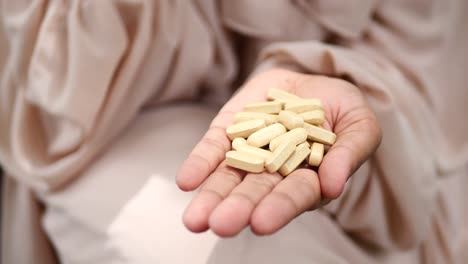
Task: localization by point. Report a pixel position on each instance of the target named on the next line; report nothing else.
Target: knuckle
(245, 197)
(307, 181)
(308, 187)
(232, 175)
(202, 160)
(266, 182)
(287, 198)
(309, 184)
(213, 192)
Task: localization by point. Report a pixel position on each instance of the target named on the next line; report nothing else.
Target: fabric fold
(79, 71)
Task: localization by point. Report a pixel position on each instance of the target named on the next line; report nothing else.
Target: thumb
(355, 144)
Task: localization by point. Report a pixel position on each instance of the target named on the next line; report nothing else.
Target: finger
(220, 183)
(297, 193)
(233, 214)
(355, 144)
(205, 157)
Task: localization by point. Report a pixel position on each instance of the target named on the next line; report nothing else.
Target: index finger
(206, 155)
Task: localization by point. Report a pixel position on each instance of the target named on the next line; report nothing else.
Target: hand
(230, 199)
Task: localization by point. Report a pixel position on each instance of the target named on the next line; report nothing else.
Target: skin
(230, 200)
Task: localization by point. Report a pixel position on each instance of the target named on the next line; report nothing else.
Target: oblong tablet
(245, 161)
(263, 153)
(246, 116)
(238, 142)
(245, 129)
(315, 117)
(316, 154)
(297, 136)
(263, 136)
(299, 155)
(280, 95)
(279, 156)
(319, 134)
(303, 105)
(290, 120)
(273, 107)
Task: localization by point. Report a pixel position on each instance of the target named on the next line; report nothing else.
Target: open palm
(231, 199)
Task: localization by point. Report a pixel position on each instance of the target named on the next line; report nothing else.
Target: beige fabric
(23, 240)
(79, 71)
(153, 146)
(159, 236)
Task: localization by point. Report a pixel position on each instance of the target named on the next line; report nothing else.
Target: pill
(279, 156)
(245, 161)
(303, 105)
(238, 142)
(299, 155)
(316, 154)
(280, 95)
(314, 117)
(263, 153)
(273, 107)
(245, 129)
(263, 136)
(246, 116)
(290, 120)
(319, 134)
(297, 136)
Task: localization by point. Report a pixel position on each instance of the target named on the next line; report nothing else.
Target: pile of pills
(278, 135)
